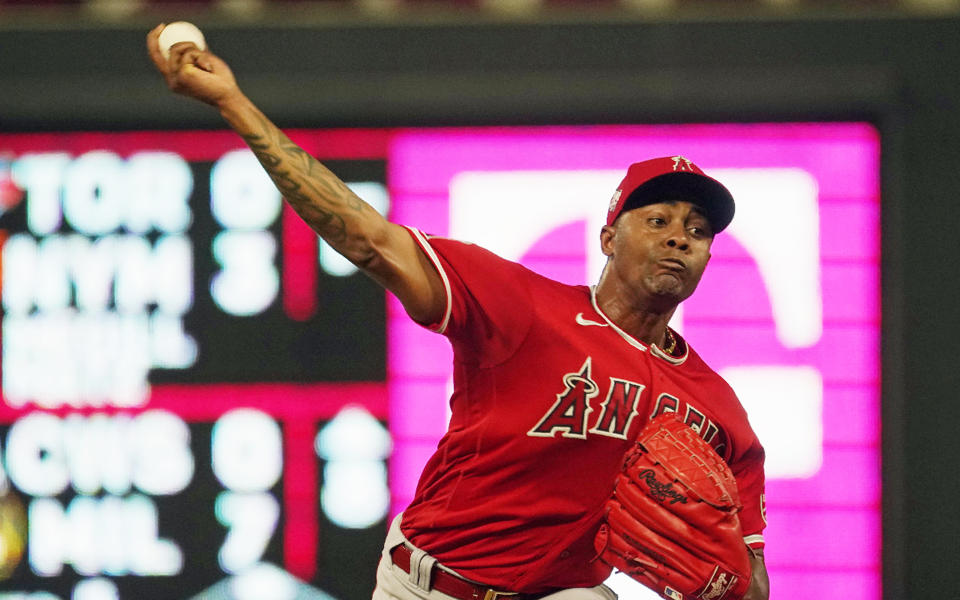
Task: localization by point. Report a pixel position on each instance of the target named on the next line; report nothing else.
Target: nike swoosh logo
(587, 322)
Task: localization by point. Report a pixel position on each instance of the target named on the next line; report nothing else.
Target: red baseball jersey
(548, 396)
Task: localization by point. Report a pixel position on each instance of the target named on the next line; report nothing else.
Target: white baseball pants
(395, 584)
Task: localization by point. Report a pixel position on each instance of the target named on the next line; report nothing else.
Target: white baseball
(180, 31)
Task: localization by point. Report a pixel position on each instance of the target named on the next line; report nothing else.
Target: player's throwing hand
(193, 72)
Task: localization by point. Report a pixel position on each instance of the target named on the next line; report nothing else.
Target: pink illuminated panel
(788, 310)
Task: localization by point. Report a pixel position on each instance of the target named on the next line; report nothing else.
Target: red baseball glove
(672, 522)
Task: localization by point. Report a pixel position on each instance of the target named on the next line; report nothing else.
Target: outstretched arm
(383, 250)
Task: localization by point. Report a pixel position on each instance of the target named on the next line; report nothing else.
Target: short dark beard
(669, 295)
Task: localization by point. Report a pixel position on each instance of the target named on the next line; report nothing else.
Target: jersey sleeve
(748, 471)
(488, 306)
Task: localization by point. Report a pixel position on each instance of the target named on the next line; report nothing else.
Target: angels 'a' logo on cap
(614, 200)
(681, 164)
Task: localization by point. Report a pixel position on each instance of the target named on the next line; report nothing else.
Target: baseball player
(552, 383)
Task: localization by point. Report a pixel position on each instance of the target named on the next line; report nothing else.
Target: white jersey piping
(655, 350)
(432, 255)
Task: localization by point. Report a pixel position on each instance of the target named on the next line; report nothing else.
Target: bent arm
(384, 251)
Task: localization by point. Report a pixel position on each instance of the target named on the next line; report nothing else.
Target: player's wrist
(233, 105)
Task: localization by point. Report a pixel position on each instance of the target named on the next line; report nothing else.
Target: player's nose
(678, 244)
(677, 238)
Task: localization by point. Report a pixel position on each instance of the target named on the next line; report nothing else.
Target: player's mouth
(673, 264)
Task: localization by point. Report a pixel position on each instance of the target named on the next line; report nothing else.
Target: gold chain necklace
(671, 342)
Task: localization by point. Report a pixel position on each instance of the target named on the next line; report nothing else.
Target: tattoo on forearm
(310, 188)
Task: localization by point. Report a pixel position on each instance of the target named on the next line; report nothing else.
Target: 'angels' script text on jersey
(571, 412)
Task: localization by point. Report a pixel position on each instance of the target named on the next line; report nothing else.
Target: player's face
(659, 251)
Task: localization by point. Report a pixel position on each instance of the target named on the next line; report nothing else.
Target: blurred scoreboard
(193, 383)
(201, 400)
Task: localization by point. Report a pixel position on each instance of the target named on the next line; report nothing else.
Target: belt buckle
(492, 594)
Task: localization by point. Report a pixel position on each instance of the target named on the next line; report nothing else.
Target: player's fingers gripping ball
(672, 521)
(180, 31)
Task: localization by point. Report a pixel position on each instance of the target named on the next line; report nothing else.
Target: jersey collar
(654, 349)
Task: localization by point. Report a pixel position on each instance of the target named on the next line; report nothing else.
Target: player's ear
(607, 234)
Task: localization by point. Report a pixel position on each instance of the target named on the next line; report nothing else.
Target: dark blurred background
(80, 65)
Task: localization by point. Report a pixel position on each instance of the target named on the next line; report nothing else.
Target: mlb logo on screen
(551, 220)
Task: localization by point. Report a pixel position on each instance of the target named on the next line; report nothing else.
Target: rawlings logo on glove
(658, 490)
(672, 522)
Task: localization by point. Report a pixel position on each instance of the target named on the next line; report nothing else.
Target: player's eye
(699, 230)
